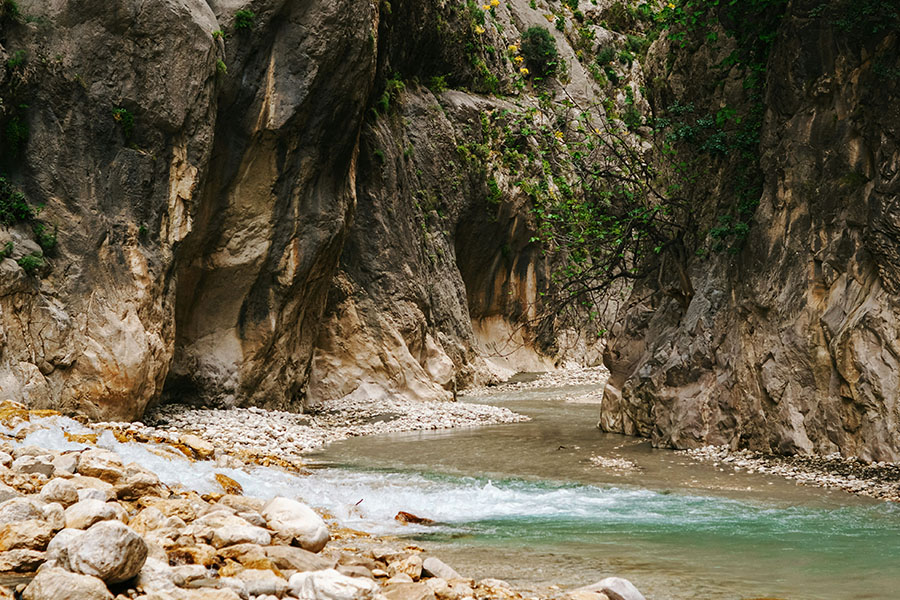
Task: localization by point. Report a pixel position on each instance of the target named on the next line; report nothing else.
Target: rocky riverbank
(877, 480)
(256, 431)
(81, 520)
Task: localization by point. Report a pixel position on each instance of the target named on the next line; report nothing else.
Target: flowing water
(526, 503)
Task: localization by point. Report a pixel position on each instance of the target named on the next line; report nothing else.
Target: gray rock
(59, 584)
(331, 585)
(85, 513)
(109, 550)
(407, 591)
(435, 567)
(296, 523)
(7, 492)
(20, 561)
(615, 588)
(102, 464)
(289, 558)
(60, 490)
(20, 509)
(33, 464)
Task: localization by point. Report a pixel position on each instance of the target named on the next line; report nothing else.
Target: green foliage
(125, 120)
(13, 206)
(494, 193)
(218, 34)
(45, 237)
(244, 20)
(9, 10)
(221, 67)
(860, 19)
(393, 87)
(606, 56)
(30, 263)
(539, 51)
(7, 250)
(16, 60)
(437, 84)
(560, 23)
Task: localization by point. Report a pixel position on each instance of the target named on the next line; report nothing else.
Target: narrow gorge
(281, 224)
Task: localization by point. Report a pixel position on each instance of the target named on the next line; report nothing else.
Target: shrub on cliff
(539, 51)
(13, 206)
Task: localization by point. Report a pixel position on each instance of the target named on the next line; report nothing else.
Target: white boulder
(296, 523)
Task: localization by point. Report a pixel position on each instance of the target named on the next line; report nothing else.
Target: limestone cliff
(791, 344)
(201, 163)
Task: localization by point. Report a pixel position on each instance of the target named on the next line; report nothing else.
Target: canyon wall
(789, 346)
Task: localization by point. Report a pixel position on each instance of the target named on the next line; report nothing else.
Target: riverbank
(874, 480)
(89, 513)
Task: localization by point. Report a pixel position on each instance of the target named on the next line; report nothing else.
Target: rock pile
(84, 525)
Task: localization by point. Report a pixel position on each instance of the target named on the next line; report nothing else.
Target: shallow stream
(526, 503)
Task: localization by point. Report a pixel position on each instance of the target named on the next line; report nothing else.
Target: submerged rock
(615, 588)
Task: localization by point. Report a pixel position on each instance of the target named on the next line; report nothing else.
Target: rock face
(218, 220)
(791, 346)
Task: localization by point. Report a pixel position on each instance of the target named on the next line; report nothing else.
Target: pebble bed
(269, 432)
(877, 480)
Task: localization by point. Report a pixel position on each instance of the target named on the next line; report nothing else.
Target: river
(525, 503)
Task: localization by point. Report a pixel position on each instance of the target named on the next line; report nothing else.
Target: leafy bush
(16, 60)
(437, 84)
(46, 239)
(606, 56)
(7, 250)
(221, 67)
(244, 19)
(13, 206)
(392, 89)
(31, 263)
(539, 51)
(125, 119)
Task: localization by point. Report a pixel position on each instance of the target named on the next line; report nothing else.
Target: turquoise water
(524, 503)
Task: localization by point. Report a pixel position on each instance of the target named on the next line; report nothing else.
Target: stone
(203, 449)
(31, 450)
(54, 515)
(194, 554)
(616, 588)
(109, 550)
(209, 594)
(5, 459)
(399, 578)
(586, 595)
(262, 582)
(102, 464)
(59, 584)
(183, 575)
(7, 492)
(331, 585)
(407, 591)
(297, 523)
(20, 509)
(138, 485)
(355, 571)
(297, 559)
(33, 464)
(66, 463)
(156, 576)
(241, 503)
(25, 535)
(58, 548)
(173, 507)
(435, 567)
(411, 565)
(20, 561)
(60, 490)
(249, 555)
(228, 535)
(85, 513)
